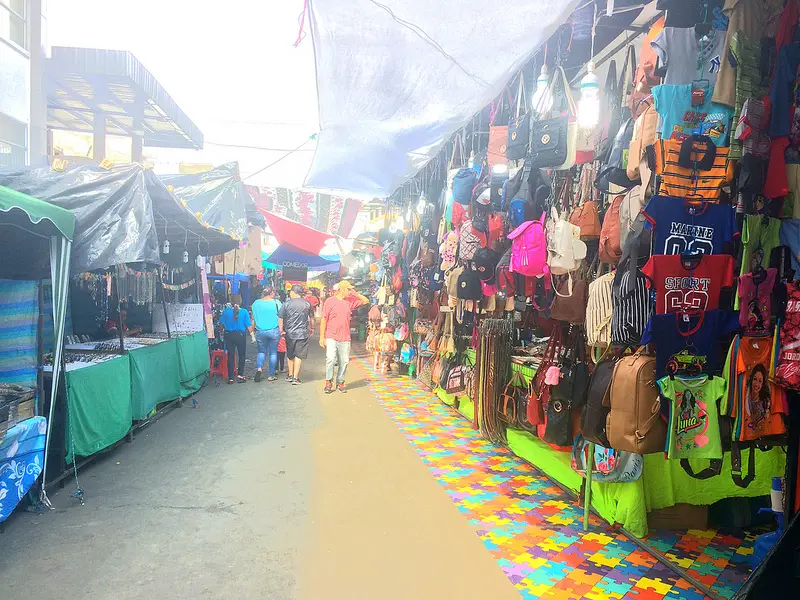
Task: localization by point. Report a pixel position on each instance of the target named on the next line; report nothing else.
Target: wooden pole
(164, 303)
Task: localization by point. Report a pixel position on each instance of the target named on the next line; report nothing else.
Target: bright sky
(230, 66)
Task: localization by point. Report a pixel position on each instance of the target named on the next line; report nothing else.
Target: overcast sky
(231, 66)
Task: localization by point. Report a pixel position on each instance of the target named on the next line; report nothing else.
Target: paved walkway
(276, 491)
(264, 491)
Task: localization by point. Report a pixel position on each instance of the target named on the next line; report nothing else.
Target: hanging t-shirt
(759, 239)
(679, 336)
(688, 282)
(790, 236)
(755, 403)
(755, 300)
(680, 119)
(688, 59)
(683, 227)
(693, 416)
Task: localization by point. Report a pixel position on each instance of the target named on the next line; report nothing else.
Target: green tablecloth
(99, 406)
(663, 482)
(193, 362)
(154, 377)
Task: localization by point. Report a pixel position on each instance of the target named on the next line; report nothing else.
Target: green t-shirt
(693, 416)
(758, 242)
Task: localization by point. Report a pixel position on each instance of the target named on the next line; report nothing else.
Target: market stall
(604, 279)
(47, 232)
(138, 337)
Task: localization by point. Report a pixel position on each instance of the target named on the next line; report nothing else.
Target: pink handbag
(529, 248)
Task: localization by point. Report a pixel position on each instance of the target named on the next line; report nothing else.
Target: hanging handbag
(498, 134)
(513, 401)
(519, 128)
(539, 391)
(608, 465)
(553, 143)
(571, 297)
(585, 215)
(557, 429)
(574, 382)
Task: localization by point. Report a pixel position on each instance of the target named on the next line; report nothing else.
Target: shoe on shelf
(295, 381)
(328, 387)
(341, 387)
(258, 376)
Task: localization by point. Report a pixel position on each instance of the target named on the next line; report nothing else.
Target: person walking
(334, 332)
(236, 323)
(268, 333)
(297, 324)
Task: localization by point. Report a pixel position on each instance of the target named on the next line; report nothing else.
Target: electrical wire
(257, 147)
(419, 32)
(275, 162)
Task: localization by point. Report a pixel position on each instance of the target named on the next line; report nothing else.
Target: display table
(193, 362)
(154, 376)
(99, 398)
(663, 482)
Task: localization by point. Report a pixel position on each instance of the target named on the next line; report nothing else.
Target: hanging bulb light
(185, 256)
(589, 104)
(408, 214)
(542, 99)
(422, 203)
(200, 261)
(165, 249)
(471, 159)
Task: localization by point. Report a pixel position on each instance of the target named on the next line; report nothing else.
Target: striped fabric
(682, 182)
(631, 311)
(19, 311)
(598, 311)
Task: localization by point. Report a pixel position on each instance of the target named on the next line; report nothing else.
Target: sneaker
(341, 387)
(295, 381)
(289, 378)
(328, 387)
(258, 376)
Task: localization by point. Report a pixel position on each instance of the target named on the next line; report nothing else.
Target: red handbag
(539, 391)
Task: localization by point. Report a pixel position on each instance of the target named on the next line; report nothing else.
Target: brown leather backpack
(610, 249)
(634, 423)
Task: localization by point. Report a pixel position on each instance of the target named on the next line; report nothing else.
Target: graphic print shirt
(755, 300)
(689, 283)
(681, 227)
(679, 119)
(693, 416)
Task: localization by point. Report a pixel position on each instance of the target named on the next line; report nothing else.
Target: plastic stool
(220, 358)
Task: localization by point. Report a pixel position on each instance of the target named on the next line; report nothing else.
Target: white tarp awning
(396, 78)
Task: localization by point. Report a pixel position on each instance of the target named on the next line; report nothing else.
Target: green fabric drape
(193, 362)
(154, 377)
(99, 406)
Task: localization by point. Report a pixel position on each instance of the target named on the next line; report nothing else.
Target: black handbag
(519, 128)
(549, 142)
(574, 383)
(558, 423)
(469, 286)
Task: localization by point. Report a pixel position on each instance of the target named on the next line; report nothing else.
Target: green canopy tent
(38, 229)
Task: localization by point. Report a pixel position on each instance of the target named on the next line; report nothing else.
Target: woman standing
(236, 323)
(268, 333)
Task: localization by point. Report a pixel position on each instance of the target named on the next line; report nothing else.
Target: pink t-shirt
(755, 301)
(337, 315)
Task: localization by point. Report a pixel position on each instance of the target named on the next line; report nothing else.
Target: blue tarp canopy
(287, 254)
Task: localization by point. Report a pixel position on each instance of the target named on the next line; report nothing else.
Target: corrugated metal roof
(85, 81)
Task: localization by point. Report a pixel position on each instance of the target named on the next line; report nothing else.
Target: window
(13, 142)
(12, 21)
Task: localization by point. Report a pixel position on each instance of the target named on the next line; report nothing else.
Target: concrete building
(23, 101)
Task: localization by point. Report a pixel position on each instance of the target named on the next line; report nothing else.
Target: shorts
(297, 349)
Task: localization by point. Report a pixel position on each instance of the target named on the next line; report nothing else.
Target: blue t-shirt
(790, 236)
(231, 324)
(680, 119)
(684, 228)
(699, 332)
(265, 314)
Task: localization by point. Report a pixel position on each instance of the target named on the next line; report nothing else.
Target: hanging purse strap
(712, 470)
(648, 425)
(736, 465)
(520, 95)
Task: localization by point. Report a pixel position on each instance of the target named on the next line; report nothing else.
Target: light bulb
(408, 215)
(165, 250)
(423, 201)
(200, 261)
(589, 104)
(185, 256)
(542, 99)
(471, 159)
(499, 169)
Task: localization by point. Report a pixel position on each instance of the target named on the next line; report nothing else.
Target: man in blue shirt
(268, 333)
(236, 322)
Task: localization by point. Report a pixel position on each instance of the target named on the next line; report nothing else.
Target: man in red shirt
(334, 331)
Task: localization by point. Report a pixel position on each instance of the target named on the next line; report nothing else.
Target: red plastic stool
(220, 359)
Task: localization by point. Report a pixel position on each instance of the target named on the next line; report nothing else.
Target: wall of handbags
(645, 269)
